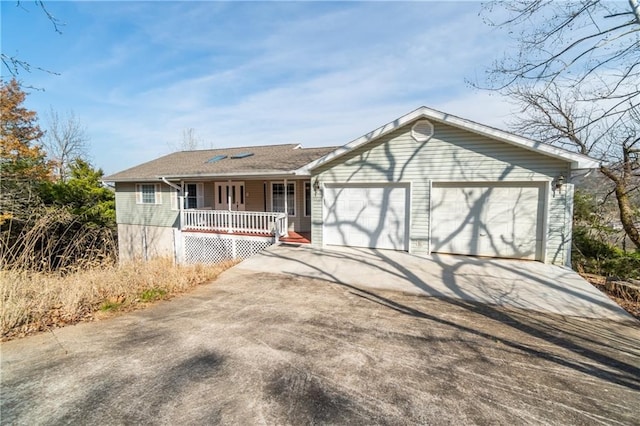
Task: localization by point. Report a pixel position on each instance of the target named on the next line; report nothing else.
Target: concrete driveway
(503, 282)
(260, 348)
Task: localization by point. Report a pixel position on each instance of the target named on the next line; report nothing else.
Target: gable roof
(265, 160)
(577, 161)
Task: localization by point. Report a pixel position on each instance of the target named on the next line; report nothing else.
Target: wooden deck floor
(297, 237)
(293, 237)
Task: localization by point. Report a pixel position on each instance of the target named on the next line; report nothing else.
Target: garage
(488, 219)
(373, 216)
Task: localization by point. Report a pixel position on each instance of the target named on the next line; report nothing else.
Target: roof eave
(577, 161)
(257, 175)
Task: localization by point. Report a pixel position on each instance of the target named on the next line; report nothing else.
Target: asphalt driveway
(267, 348)
(504, 282)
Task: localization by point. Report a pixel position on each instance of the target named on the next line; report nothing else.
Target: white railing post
(234, 221)
(181, 208)
(285, 231)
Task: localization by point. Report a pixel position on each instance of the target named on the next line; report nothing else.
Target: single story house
(427, 182)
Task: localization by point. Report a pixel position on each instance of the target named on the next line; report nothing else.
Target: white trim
(430, 201)
(304, 196)
(568, 222)
(223, 194)
(175, 202)
(409, 217)
(157, 194)
(577, 161)
(199, 193)
(545, 220)
(416, 131)
(289, 182)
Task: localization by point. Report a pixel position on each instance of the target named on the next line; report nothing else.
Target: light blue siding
(451, 155)
(129, 212)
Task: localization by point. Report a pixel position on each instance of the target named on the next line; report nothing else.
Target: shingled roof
(264, 160)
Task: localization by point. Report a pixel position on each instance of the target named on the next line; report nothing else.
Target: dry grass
(53, 239)
(33, 302)
(627, 300)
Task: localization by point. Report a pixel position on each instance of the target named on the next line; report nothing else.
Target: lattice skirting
(214, 248)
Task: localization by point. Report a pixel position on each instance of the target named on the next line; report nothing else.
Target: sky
(138, 74)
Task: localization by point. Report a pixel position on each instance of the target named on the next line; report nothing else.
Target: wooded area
(54, 215)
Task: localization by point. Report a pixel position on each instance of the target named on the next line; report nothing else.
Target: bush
(592, 255)
(55, 239)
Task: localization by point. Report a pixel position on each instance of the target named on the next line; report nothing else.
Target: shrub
(592, 255)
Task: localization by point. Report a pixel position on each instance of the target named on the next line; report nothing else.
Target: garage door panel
(365, 216)
(487, 220)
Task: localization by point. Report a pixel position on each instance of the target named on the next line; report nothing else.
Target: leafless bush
(54, 239)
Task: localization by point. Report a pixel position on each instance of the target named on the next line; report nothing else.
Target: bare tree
(65, 140)
(13, 63)
(594, 44)
(190, 141)
(575, 72)
(558, 117)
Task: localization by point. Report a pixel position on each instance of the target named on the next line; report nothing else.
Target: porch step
(297, 237)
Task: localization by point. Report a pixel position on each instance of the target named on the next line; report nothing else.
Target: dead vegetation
(627, 295)
(59, 268)
(53, 239)
(38, 301)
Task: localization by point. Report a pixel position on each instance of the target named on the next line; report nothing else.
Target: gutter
(173, 185)
(255, 175)
(221, 176)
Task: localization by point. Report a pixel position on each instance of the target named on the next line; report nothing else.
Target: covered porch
(250, 207)
(234, 222)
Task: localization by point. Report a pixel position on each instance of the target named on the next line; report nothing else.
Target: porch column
(181, 205)
(230, 230)
(286, 208)
(181, 209)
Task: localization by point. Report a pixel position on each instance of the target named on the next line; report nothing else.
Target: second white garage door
(498, 220)
(366, 216)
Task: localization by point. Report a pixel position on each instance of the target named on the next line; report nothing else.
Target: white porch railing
(234, 221)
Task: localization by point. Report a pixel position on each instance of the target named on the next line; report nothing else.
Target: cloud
(262, 72)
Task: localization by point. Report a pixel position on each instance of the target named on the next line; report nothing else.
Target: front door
(229, 196)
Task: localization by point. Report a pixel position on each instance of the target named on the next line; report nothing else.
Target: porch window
(307, 198)
(148, 193)
(190, 196)
(193, 195)
(277, 197)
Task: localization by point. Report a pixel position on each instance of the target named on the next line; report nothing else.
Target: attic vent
(216, 158)
(242, 155)
(422, 131)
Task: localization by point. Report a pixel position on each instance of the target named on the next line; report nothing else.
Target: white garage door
(365, 216)
(495, 220)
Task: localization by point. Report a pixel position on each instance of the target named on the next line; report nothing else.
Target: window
(277, 198)
(190, 196)
(148, 193)
(193, 194)
(307, 198)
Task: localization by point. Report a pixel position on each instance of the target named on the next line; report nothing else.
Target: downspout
(180, 199)
(173, 185)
